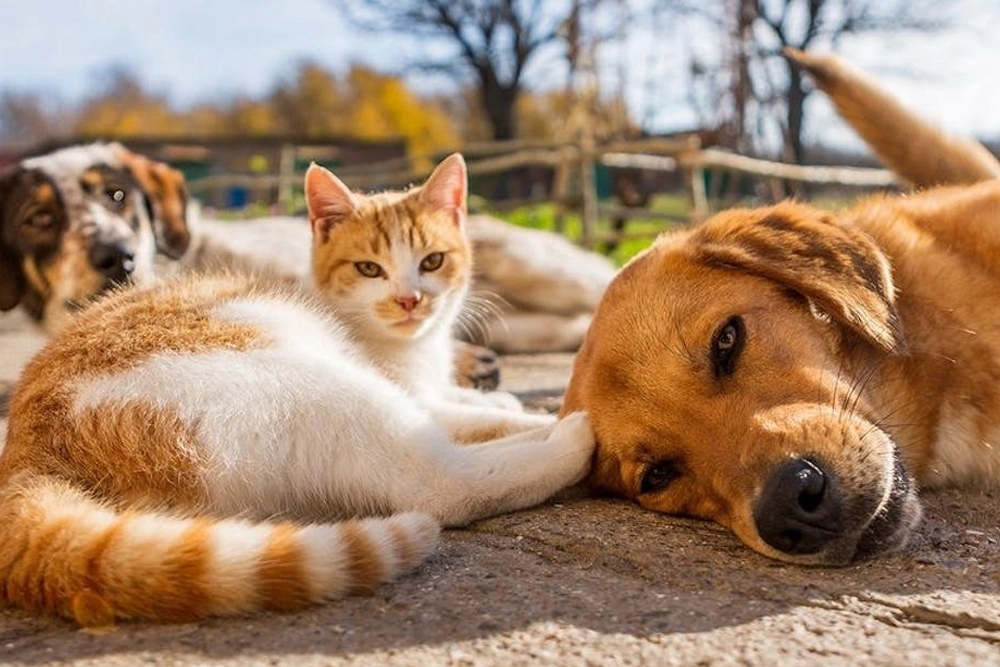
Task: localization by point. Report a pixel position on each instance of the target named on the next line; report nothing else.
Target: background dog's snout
(800, 509)
(115, 261)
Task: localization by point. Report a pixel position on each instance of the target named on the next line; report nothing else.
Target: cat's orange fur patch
(140, 442)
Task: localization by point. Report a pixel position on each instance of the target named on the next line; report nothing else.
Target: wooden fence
(571, 161)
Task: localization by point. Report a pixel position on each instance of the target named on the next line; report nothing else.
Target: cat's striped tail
(907, 144)
(62, 553)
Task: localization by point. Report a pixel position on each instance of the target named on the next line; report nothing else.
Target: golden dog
(789, 372)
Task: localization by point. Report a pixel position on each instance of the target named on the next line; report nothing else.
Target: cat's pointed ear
(328, 200)
(446, 187)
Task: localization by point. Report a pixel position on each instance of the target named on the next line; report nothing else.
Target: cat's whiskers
(479, 309)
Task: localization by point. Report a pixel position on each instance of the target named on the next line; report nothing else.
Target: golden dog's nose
(800, 509)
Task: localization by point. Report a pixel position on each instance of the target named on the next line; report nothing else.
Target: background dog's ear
(164, 188)
(840, 270)
(11, 275)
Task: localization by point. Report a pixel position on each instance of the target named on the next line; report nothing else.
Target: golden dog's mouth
(891, 527)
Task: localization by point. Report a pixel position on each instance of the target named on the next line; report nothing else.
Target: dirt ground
(586, 581)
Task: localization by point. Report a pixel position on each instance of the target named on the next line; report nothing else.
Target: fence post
(588, 191)
(696, 178)
(560, 193)
(286, 175)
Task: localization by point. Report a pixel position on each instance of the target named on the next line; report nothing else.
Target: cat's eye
(727, 343)
(432, 262)
(659, 475)
(369, 269)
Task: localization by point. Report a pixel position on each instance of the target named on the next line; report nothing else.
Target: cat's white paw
(504, 399)
(531, 420)
(576, 441)
(488, 399)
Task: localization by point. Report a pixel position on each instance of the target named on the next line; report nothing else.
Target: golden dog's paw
(476, 367)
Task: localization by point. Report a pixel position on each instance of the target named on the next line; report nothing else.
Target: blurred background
(242, 94)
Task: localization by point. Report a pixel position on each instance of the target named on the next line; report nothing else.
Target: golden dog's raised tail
(912, 147)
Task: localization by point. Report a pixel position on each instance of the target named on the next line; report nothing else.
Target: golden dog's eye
(369, 269)
(432, 262)
(659, 475)
(727, 343)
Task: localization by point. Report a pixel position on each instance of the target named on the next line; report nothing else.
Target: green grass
(543, 216)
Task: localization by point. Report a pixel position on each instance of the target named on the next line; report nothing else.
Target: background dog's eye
(432, 262)
(41, 220)
(368, 269)
(659, 475)
(726, 346)
(116, 196)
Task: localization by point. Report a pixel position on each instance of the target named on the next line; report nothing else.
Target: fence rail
(683, 156)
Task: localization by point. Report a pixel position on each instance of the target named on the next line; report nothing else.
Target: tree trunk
(793, 141)
(796, 101)
(501, 108)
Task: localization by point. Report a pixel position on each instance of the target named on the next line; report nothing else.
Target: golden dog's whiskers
(837, 404)
(886, 421)
(685, 350)
(860, 385)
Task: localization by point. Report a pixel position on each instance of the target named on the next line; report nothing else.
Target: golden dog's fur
(789, 372)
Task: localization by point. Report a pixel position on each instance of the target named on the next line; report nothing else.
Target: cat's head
(394, 264)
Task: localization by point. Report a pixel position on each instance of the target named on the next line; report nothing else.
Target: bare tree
(493, 41)
(757, 83)
(25, 117)
(802, 23)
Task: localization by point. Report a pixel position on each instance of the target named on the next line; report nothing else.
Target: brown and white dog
(794, 374)
(76, 222)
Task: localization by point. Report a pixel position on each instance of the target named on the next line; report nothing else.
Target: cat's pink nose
(408, 303)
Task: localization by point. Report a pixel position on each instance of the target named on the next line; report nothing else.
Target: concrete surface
(588, 581)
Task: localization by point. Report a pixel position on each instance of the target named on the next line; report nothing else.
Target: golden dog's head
(724, 375)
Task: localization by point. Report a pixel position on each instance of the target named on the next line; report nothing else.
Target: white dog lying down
(534, 290)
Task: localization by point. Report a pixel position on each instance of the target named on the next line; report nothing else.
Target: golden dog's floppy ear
(164, 188)
(840, 270)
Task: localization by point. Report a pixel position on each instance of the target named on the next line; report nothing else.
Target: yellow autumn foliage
(315, 103)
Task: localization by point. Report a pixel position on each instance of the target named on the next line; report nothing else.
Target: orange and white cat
(397, 267)
(188, 449)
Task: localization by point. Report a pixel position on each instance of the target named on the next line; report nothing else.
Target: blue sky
(203, 49)
(190, 48)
